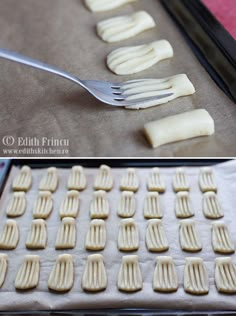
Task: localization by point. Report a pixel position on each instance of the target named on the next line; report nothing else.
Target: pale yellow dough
(129, 181)
(156, 181)
(43, 205)
(66, 235)
(99, 207)
(28, 274)
(3, 268)
(96, 235)
(189, 237)
(105, 5)
(211, 206)
(156, 240)
(221, 239)
(37, 237)
(10, 236)
(50, 180)
(225, 275)
(183, 207)
(70, 205)
(77, 179)
(152, 208)
(180, 180)
(128, 237)
(130, 276)
(165, 278)
(127, 204)
(207, 180)
(23, 180)
(17, 205)
(104, 179)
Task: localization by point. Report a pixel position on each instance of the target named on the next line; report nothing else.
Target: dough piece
(207, 180)
(96, 235)
(61, 278)
(37, 237)
(105, 5)
(225, 275)
(99, 207)
(3, 268)
(66, 235)
(129, 181)
(131, 60)
(50, 180)
(70, 205)
(77, 179)
(124, 27)
(128, 238)
(104, 179)
(43, 205)
(165, 278)
(152, 208)
(17, 205)
(28, 274)
(9, 237)
(127, 204)
(130, 276)
(221, 239)
(195, 276)
(156, 181)
(180, 181)
(211, 206)
(189, 239)
(183, 208)
(23, 180)
(94, 277)
(156, 240)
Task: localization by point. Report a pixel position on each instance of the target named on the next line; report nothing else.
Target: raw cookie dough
(156, 181)
(156, 240)
(105, 5)
(165, 278)
(104, 179)
(50, 180)
(17, 205)
(96, 235)
(180, 181)
(211, 206)
(66, 235)
(3, 268)
(195, 276)
(121, 28)
(70, 205)
(225, 275)
(133, 59)
(152, 208)
(207, 180)
(189, 239)
(94, 277)
(28, 274)
(9, 237)
(130, 276)
(37, 237)
(43, 205)
(129, 180)
(127, 204)
(61, 278)
(128, 237)
(77, 179)
(99, 207)
(221, 239)
(183, 207)
(23, 180)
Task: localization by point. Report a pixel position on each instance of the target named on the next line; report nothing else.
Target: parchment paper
(62, 33)
(41, 298)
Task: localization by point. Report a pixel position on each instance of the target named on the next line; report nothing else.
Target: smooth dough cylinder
(179, 127)
(105, 5)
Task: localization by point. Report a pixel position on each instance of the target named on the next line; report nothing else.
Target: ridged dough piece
(94, 277)
(3, 268)
(211, 206)
(195, 276)
(17, 205)
(66, 235)
(180, 181)
(77, 179)
(165, 278)
(9, 237)
(225, 275)
(129, 181)
(156, 181)
(70, 205)
(61, 278)
(50, 180)
(105, 5)
(104, 179)
(152, 208)
(189, 239)
(133, 59)
(207, 180)
(221, 239)
(156, 240)
(37, 237)
(23, 180)
(99, 207)
(130, 276)
(127, 204)
(43, 205)
(128, 237)
(28, 274)
(121, 28)
(96, 235)
(183, 207)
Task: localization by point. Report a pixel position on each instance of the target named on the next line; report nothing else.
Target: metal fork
(107, 92)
